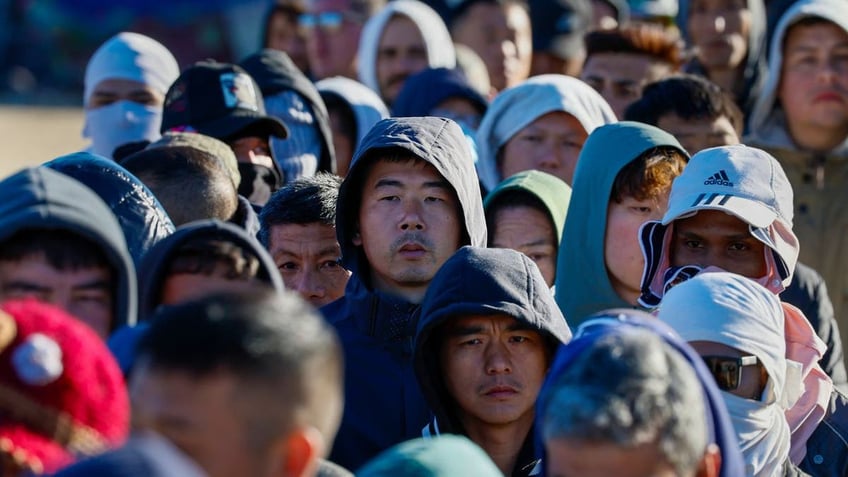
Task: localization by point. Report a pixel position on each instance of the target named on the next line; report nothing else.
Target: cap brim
(231, 125)
(751, 212)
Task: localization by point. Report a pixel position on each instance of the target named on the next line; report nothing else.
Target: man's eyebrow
(519, 325)
(24, 285)
(464, 330)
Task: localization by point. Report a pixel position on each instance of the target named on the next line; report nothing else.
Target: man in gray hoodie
(410, 200)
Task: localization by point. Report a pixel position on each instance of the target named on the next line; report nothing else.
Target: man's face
(201, 416)
(308, 257)
(701, 133)
(409, 224)
(113, 90)
(500, 35)
(342, 142)
(401, 53)
(85, 293)
(718, 30)
(493, 366)
(622, 252)
(284, 34)
(620, 77)
(332, 47)
(714, 238)
(814, 83)
(529, 231)
(572, 457)
(551, 143)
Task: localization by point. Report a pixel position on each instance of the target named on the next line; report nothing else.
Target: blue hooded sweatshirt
(383, 403)
(506, 282)
(41, 198)
(582, 282)
(621, 321)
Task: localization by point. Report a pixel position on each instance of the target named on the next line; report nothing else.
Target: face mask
(257, 182)
(763, 434)
(120, 123)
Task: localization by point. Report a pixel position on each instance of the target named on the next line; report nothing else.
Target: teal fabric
(582, 284)
(554, 193)
(444, 456)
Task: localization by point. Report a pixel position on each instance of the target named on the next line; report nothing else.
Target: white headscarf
(440, 50)
(515, 108)
(736, 311)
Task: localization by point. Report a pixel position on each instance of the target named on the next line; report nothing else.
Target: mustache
(412, 237)
(397, 79)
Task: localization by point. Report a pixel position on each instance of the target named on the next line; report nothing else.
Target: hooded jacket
(582, 283)
(383, 404)
(515, 108)
(447, 456)
(620, 321)
(140, 215)
(552, 191)
(437, 39)
(156, 262)
(366, 105)
(735, 311)
(818, 179)
(754, 68)
(275, 73)
(505, 282)
(423, 91)
(39, 197)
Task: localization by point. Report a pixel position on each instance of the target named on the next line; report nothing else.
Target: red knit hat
(62, 394)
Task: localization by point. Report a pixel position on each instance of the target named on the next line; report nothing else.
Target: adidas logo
(719, 178)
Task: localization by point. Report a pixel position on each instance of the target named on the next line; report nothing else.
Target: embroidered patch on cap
(238, 91)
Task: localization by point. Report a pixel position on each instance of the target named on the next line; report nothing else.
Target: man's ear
(303, 447)
(710, 465)
(357, 239)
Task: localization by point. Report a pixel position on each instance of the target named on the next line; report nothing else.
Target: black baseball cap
(219, 100)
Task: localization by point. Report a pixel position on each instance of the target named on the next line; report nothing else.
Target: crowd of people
(471, 238)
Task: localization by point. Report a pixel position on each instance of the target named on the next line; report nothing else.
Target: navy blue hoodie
(383, 404)
(504, 282)
(41, 198)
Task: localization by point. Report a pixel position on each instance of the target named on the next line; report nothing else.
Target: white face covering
(120, 123)
(763, 434)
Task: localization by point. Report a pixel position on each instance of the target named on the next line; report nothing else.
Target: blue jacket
(383, 403)
(505, 282)
(141, 216)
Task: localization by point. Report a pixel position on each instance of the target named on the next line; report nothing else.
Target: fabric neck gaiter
(258, 182)
(120, 123)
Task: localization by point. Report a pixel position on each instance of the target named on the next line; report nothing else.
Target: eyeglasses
(727, 370)
(330, 21)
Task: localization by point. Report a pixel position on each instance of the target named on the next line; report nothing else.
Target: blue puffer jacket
(140, 215)
(383, 403)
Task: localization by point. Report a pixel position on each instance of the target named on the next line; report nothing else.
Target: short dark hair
(190, 184)
(63, 249)
(651, 173)
(304, 201)
(203, 255)
(285, 357)
(457, 14)
(688, 97)
(643, 39)
(514, 198)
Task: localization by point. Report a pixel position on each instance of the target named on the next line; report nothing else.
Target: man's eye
(287, 266)
(739, 247)
(332, 264)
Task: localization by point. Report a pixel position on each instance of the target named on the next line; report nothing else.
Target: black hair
(347, 120)
(514, 198)
(278, 348)
(190, 184)
(304, 201)
(63, 249)
(687, 96)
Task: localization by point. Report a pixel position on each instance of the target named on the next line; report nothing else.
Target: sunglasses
(727, 370)
(330, 21)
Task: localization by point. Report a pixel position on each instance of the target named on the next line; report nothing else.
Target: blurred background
(45, 45)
